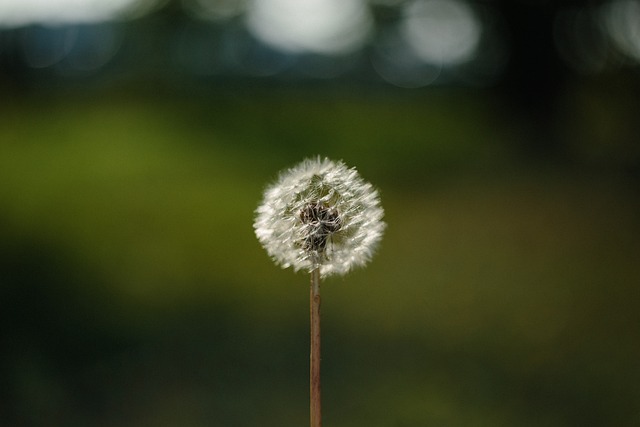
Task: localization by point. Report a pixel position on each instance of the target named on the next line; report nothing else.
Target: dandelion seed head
(320, 214)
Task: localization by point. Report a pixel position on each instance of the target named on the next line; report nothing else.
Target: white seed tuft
(322, 214)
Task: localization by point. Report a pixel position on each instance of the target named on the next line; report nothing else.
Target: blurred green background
(134, 293)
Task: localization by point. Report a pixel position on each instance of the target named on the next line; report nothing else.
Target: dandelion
(322, 217)
(320, 214)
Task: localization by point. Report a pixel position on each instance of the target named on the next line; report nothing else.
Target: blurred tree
(14, 73)
(535, 76)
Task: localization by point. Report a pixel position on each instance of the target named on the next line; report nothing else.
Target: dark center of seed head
(321, 221)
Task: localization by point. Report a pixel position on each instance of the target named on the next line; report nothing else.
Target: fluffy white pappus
(320, 214)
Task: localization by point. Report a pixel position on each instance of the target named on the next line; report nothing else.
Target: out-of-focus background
(136, 137)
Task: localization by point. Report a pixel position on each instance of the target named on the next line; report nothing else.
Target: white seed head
(322, 214)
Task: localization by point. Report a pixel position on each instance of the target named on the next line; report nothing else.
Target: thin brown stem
(314, 369)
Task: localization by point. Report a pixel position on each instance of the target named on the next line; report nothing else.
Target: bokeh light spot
(579, 41)
(317, 26)
(44, 47)
(72, 49)
(621, 19)
(17, 13)
(445, 32)
(395, 61)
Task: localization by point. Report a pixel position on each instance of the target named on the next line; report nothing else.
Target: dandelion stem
(314, 369)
